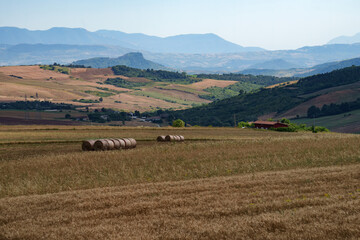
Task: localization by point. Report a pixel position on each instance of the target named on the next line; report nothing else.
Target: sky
(271, 24)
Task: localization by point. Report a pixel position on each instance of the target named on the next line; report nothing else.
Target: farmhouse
(268, 124)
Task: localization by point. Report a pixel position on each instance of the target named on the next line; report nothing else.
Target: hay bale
(181, 138)
(116, 142)
(160, 139)
(111, 145)
(88, 145)
(122, 143)
(133, 142)
(169, 138)
(101, 145)
(128, 143)
(176, 138)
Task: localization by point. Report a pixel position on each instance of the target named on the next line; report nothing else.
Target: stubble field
(220, 183)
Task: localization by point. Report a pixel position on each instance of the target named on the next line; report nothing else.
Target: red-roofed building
(268, 124)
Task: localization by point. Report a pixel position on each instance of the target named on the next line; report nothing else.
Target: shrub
(178, 123)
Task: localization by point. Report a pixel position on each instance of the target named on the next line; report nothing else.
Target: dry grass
(52, 166)
(322, 203)
(206, 83)
(220, 183)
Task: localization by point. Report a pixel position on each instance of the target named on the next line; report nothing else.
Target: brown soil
(318, 203)
(32, 72)
(206, 83)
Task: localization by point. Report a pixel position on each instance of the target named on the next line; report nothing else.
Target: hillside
(287, 101)
(120, 87)
(133, 59)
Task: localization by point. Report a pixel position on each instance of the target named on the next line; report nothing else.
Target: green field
(345, 122)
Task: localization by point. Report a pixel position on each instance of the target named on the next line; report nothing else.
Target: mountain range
(304, 72)
(194, 53)
(188, 43)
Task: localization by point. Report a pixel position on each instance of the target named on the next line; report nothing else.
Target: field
(18, 82)
(345, 122)
(220, 183)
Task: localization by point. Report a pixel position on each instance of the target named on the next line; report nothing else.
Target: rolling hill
(133, 59)
(289, 101)
(120, 87)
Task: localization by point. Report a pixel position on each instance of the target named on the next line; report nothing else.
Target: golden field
(221, 183)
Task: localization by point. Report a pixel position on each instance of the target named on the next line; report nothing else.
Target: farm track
(317, 203)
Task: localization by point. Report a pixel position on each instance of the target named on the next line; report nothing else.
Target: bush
(243, 124)
(178, 123)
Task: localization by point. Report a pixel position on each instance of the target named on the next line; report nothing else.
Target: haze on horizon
(270, 24)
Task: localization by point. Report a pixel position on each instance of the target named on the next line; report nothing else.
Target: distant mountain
(304, 72)
(188, 43)
(331, 66)
(274, 64)
(346, 39)
(28, 54)
(133, 59)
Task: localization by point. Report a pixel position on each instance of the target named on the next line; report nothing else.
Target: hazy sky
(271, 24)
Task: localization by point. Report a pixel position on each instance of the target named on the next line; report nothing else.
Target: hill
(121, 87)
(133, 59)
(304, 72)
(289, 101)
(189, 43)
(273, 64)
(346, 39)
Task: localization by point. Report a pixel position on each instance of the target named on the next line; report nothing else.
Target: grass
(164, 97)
(344, 122)
(219, 183)
(100, 94)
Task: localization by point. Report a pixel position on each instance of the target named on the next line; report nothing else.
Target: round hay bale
(160, 139)
(127, 143)
(169, 138)
(133, 142)
(122, 143)
(88, 145)
(101, 145)
(182, 138)
(111, 145)
(116, 142)
(176, 138)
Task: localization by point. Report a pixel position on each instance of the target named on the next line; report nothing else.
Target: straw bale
(88, 145)
(122, 143)
(133, 142)
(182, 138)
(169, 138)
(160, 139)
(116, 142)
(101, 145)
(111, 145)
(127, 143)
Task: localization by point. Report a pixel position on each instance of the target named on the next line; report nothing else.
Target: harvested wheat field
(221, 183)
(206, 83)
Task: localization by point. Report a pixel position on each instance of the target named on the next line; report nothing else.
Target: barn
(268, 124)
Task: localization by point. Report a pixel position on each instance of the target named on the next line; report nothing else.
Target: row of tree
(333, 109)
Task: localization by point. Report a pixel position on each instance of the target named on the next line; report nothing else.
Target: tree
(313, 112)
(284, 120)
(100, 99)
(178, 123)
(67, 116)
